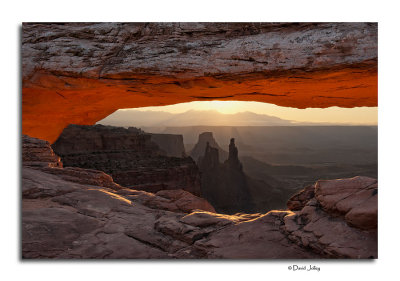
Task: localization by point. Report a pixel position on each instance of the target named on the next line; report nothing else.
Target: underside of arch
(79, 73)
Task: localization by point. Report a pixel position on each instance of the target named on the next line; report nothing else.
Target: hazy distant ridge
(195, 118)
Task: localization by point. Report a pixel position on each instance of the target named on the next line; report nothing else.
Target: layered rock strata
(339, 219)
(37, 153)
(129, 156)
(79, 73)
(171, 144)
(69, 219)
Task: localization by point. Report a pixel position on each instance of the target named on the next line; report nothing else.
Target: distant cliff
(129, 155)
(199, 148)
(78, 213)
(172, 145)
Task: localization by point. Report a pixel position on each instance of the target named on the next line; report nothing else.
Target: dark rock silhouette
(129, 156)
(229, 188)
(225, 185)
(72, 213)
(233, 159)
(172, 145)
(199, 148)
(211, 157)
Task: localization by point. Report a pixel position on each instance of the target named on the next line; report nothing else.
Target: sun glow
(337, 115)
(226, 107)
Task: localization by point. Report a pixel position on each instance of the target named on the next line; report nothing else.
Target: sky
(357, 115)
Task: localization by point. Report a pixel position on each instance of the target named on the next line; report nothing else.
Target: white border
(385, 12)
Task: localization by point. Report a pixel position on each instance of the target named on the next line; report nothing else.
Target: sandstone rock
(129, 156)
(78, 73)
(300, 199)
(77, 140)
(356, 199)
(102, 235)
(172, 145)
(84, 176)
(200, 147)
(224, 185)
(364, 216)
(257, 238)
(50, 232)
(330, 236)
(38, 153)
(37, 184)
(96, 222)
(185, 201)
(64, 218)
(117, 227)
(202, 219)
(173, 46)
(340, 221)
(170, 200)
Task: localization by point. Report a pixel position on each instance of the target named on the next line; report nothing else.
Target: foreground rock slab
(65, 219)
(68, 218)
(340, 221)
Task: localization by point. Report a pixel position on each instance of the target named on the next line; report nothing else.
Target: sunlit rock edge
(79, 213)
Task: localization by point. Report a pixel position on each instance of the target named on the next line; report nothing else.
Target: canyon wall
(79, 73)
(75, 213)
(172, 145)
(228, 188)
(129, 156)
(36, 152)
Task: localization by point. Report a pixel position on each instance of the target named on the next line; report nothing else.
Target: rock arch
(80, 73)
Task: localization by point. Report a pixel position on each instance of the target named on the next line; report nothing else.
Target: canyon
(135, 160)
(130, 156)
(228, 187)
(81, 213)
(93, 191)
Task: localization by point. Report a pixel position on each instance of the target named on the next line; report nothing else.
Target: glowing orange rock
(81, 73)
